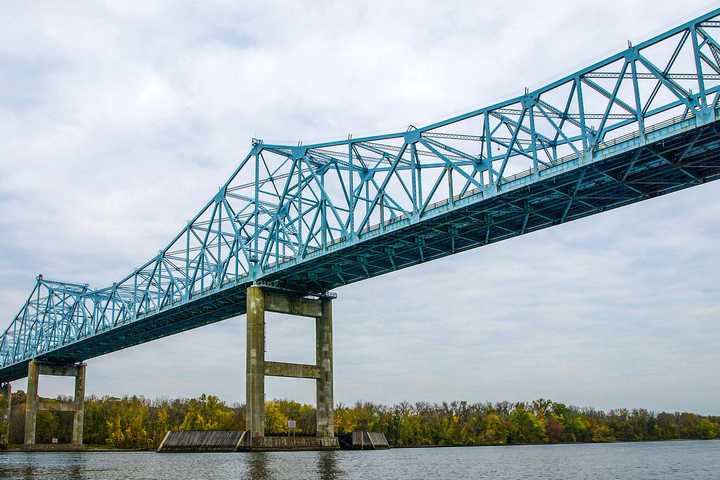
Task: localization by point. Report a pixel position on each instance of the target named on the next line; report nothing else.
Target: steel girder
(638, 124)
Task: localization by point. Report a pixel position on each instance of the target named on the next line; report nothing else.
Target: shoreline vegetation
(137, 423)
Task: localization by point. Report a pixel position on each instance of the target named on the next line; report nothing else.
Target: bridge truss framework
(639, 124)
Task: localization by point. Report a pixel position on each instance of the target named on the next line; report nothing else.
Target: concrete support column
(8, 413)
(79, 400)
(255, 361)
(324, 361)
(31, 402)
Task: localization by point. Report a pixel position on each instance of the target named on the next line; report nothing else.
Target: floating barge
(240, 441)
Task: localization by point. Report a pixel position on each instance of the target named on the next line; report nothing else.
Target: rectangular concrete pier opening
(261, 299)
(34, 402)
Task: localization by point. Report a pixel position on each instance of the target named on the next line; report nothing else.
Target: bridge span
(293, 222)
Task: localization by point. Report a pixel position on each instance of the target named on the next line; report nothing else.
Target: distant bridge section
(639, 124)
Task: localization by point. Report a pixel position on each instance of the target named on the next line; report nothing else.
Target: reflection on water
(27, 467)
(690, 460)
(258, 466)
(75, 472)
(328, 467)
(28, 472)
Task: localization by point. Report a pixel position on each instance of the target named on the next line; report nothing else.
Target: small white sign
(292, 424)
(54, 440)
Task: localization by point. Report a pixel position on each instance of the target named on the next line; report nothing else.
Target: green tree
(526, 427)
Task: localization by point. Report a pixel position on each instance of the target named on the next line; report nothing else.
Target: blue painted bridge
(639, 124)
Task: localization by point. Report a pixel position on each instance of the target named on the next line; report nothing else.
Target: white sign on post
(292, 424)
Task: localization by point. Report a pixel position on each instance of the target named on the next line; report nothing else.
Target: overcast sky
(118, 122)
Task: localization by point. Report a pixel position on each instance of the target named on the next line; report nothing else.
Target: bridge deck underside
(679, 162)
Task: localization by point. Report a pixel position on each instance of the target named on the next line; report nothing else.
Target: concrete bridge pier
(35, 403)
(261, 299)
(7, 387)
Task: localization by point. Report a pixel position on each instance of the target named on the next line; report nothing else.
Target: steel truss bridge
(639, 124)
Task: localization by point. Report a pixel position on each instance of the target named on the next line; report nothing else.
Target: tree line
(135, 422)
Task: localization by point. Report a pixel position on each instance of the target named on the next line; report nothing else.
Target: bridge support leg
(255, 375)
(79, 400)
(8, 412)
(31, 401)
(324, 359)
(266, 299)
(34, 403)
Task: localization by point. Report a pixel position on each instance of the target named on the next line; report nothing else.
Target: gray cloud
(117, 122)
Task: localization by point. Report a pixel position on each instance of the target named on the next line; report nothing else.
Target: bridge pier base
(34, 403)
(262, 299)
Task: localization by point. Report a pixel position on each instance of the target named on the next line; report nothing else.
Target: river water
(696, 460)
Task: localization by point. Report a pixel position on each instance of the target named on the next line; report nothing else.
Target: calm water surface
(639, 461)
